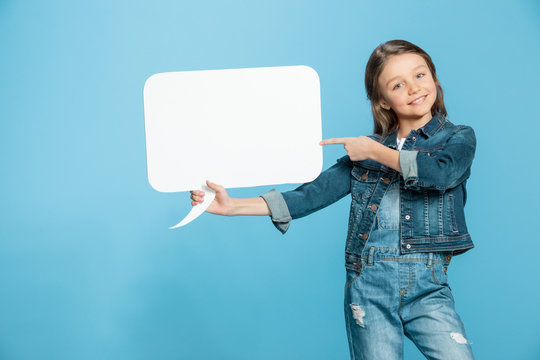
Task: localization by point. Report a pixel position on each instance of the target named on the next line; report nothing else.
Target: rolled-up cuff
(279, 212)
(409, 168)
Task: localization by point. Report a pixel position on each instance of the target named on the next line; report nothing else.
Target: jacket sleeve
(443, 168)
(330, 186)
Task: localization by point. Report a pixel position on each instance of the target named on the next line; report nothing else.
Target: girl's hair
(386, 120)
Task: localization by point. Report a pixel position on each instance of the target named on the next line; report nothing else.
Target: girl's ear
(384, 105)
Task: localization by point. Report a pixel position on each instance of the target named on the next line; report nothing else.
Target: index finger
(334, 141)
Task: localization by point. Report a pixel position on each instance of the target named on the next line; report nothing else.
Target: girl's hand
(358, 148)
(222, 204)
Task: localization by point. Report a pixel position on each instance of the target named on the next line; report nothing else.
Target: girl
(407, 182)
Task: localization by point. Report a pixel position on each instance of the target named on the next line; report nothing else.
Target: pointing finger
(334, 141)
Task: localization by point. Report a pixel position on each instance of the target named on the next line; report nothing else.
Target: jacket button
(407, 217)
(385, 180)
(448, 257)
(414, 138)
(408, 246)
(373, 207)
(364, 176)
(358, 265)
(364, 236)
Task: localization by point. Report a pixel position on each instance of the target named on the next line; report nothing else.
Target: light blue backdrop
(88, 268)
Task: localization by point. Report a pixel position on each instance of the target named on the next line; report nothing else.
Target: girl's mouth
(418, 101)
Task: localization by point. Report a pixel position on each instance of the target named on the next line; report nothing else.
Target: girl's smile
(419, 101)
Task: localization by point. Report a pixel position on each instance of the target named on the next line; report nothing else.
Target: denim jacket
(435, 161)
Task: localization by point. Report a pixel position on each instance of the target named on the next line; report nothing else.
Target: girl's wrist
(234, 207)
(374, 150)
(385, 155)
(249, 206)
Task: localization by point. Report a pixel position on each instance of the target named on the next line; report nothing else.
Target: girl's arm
(384, 155)
(443, 168)
(363, 148)
(330, 186)
(440, 169)
(223, 204)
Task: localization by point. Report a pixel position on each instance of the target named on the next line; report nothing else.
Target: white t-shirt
(400, 143)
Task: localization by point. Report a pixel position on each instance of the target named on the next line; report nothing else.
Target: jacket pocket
(363, 182)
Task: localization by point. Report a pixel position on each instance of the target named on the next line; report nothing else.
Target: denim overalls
(392, 294)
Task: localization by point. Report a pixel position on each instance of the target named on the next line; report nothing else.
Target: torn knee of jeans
(358, 314)
(458, 337)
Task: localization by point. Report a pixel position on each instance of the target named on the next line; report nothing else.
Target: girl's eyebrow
(395, 77)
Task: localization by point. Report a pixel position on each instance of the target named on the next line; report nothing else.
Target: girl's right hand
(222, 204)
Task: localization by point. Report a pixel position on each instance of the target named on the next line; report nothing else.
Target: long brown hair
(384, 120)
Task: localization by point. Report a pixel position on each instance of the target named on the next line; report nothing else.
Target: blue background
(88, 268)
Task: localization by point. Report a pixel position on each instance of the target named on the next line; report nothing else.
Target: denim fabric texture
(392, 294)
(435, 161)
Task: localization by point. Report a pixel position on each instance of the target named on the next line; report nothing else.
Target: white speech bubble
(236, 128)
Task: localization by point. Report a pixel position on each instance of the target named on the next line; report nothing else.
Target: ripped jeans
(392, 294)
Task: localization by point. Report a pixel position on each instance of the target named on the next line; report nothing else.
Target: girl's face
(407, 87)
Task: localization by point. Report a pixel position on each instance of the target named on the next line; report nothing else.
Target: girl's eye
(420, 75)
(397, 86)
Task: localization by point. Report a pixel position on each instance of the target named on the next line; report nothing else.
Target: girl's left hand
(358, 148)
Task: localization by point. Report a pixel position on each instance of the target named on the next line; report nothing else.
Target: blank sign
(236, 127)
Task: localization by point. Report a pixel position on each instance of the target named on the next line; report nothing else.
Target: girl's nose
(414, 88)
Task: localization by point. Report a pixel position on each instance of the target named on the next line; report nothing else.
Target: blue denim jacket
(435, 161)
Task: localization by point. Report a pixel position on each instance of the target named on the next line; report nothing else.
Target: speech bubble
(235, 127)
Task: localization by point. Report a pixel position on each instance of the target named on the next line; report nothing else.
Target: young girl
(407, 182)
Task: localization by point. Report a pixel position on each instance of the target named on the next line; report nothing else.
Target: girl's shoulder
(446, 124)
(453, 132)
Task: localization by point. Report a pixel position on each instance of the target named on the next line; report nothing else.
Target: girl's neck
(406, 125)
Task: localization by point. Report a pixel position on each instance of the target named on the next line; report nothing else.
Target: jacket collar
(433, 125)
(436, 122)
